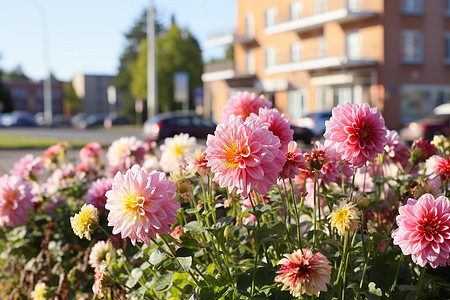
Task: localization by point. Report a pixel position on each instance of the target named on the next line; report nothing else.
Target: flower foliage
(253, 214)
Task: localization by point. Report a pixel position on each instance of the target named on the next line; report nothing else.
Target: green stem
(297, 214)
(316, 174)
(344, 252)
(254, 271)
(353, 185)
(287, 216)
(396, 273)
(420, 283)
(345, 268)
(366, 262)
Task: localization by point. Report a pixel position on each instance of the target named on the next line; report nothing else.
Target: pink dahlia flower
(96, 195)
(140, 204)
(304, 273)
(125, 152)
(356, 132)
(424, 230)
(439, 166)
(244, 156)
(15, 200)
(243, 104)
(28, 167)
(197, 163)
(278, 124)
(294, 161)
(396, 150)
(91, 153)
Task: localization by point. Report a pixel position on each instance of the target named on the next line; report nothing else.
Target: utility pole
(152, 92)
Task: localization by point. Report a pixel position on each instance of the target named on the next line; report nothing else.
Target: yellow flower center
(342, 215)
(178, 150)
(235, 154)
(134, 203)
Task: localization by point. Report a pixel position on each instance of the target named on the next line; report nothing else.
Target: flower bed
(249, 216)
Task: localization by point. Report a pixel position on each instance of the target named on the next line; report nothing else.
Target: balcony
(230, 39)
(224, 70)
(285, 64)
(341, 11)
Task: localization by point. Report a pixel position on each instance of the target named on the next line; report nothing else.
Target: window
(322, 99)
(249, 25)
(447, 49)
(321, 47)
(354, 5)
(270, 57)
(353, 45)
(321, 6)
(342, 95)
(412, 46)
(412, 7)
(250, 63)
(297, 104)
(271, 16)
(447, 7)
(295, 10)
(296, 52)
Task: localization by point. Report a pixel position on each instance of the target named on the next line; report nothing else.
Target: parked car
(92, 121)
(75, 120)
(18, 119)
(314, 122)
(169, 124)
(113, 119)
(436, 123)
(302, 134)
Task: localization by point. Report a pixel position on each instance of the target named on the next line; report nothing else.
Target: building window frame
(297, 103)
(271, 57)
(250, 25)
(320, 6)
(321, 47)
(271, 16)
(353, 44)
(250, 61)
(296, 52)
(447, 8)
(295, 10)
(412, 47)
(412, 7)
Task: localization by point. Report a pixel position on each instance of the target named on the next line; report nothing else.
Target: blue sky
(87, 36)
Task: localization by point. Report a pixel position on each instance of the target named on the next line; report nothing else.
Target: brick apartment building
(311, 55)
(29, 95)
(93, 92)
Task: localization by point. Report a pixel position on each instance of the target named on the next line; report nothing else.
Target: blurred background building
(312, 55)
(28, 95)
(93, 92)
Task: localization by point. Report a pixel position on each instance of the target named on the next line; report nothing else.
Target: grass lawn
(11, 141)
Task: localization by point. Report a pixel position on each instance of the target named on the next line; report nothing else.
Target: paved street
(9, 157)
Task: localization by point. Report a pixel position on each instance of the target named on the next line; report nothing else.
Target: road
(9, 157)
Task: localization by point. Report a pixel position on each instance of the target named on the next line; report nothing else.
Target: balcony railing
(341, 11)
(223, 70)
(310, 60)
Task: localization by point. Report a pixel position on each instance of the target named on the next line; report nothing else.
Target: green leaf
(157, 256)
(260, 209)
(163, 283)
(182, 264)
(223, 222)
(374, 290)
(184, 252)
(136, 274)
(191, 226)
(272, 230)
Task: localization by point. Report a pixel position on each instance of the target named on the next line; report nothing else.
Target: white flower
(175, 150)
(102, 251)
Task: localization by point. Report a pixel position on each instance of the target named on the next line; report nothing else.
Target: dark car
(114, 119)
(169, 124)
(302, 134)
(18, 119)
(436, 123)
(92, 121)
(314, 122)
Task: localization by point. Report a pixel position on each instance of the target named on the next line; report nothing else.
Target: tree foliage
(71, 101)
(122, 81)
(176, 51)
(15, 74)
(6, 104)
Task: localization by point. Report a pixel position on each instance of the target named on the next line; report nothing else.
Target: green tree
(72, 103)
(122, 81)
(176, 51)
(6, 104)
(15, 74)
